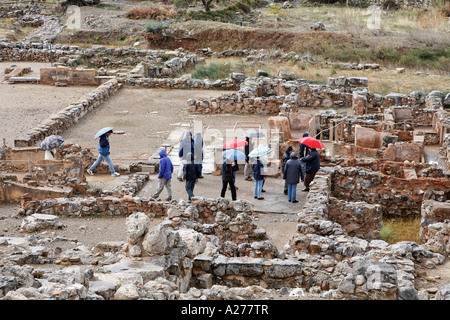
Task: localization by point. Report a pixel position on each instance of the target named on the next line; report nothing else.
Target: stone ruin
(212, 248)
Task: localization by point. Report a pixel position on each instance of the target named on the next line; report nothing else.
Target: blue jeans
(107, 160)
(190, 184)
(258, 188)
(292, 191)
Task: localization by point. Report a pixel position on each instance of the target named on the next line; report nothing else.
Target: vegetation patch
(400, 229)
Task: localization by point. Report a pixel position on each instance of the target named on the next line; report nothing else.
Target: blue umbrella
(103, 131)
(52, 142)
(233, 154)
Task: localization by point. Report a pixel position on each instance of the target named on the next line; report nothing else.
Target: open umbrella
(236, 143)
(260, 151)
(233, 154)
(102, 131)
(253, 133)
(52, 142)
(311, 142)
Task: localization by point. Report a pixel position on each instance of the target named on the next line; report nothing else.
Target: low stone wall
(358, 219)
(68, 76)
(181, 83)
(435, 226)
(398, 196)
(65, 118)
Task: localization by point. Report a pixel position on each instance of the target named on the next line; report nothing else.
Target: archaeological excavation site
(374, 223)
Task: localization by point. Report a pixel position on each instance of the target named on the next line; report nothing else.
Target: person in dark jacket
(198, 152)
(186, 147)
(103, 149)
(258, 175)
(303, 152)
(165, 175)
(228, 168)
(248, 167)
(292, 173)
(312, 166)
(284, 159)
(235, 168)
(190, 175)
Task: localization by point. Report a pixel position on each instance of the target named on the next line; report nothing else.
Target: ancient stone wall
(398, 196)
(435, 226)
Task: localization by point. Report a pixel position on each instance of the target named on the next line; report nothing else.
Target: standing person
(312, 166)
(103, 149)
(303, 152)
(258, 175)
(284, 159)
(165, 175)
(198, 153)
(190, 174)
(186, 146)
(228, 168)
(248, 167)
(292, 173)
(235, 168)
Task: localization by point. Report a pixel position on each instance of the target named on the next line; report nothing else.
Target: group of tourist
(295, 168)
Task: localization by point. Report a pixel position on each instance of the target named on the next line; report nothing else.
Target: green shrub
(212, 71)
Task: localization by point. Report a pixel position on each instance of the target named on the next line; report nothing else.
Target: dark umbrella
(52, 142)
(253, 133)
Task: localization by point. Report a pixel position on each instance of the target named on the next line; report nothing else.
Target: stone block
(367, 138)
(281, 124)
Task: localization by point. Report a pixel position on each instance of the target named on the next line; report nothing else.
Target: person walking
(248, 167)
(228, 168)
(198, 152)
(258, 175)
(292, 173)
(303, 152)
(235, 169)
(186, 147)
(312, 166)
(164, 176)
(190, 175)
(284, 159)
(104, 152)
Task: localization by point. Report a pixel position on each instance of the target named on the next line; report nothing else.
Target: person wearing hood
(165, 175)
(259, 174)
(304, 151)
(198, 152)
(186, 147)
(312, 166)
(190, 175)
(228, 168)
(284, 159)
(103, 149)
(292, 173)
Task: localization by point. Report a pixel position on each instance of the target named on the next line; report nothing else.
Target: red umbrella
(236, 143)
(311, 142)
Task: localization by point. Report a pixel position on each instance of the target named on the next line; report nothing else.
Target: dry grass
(158, 12)
(380, 81)
(398, 229)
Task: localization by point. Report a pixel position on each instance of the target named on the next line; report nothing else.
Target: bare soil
(29, 104)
